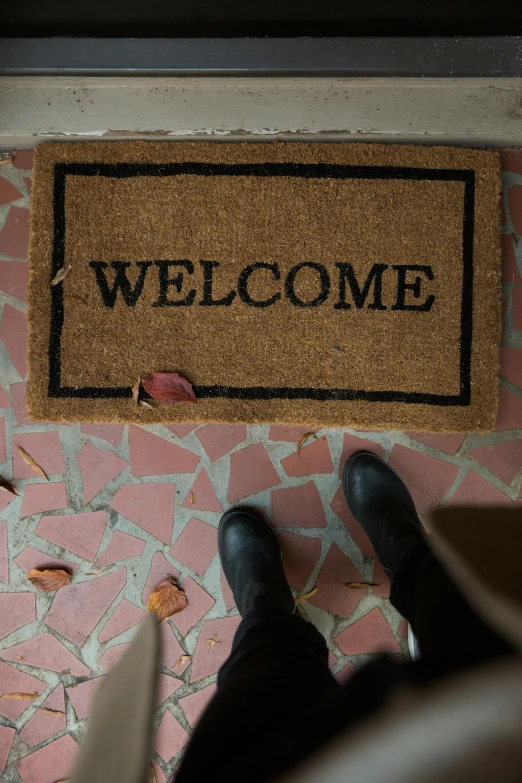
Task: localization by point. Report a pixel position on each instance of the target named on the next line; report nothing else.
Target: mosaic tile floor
(127, 505)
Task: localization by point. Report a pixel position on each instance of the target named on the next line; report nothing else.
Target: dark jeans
(277, 700)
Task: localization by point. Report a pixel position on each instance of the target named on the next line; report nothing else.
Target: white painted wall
(449, 111)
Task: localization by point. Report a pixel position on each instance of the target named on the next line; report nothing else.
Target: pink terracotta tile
(28, 184)
(196, 546)
(40, 726)
(81, 696)
(126, 615)
(196, 703)
(300, 554)
(403, 629)
(288, 434)
(160, 569)
(427, 478)
(170, 650)
(6, 740)
(220, 439)
(51, 763)
(160, 777)
(46, 652)
(228, 597)
(448, 443)
(504, 304)
(511, 160)
(13, 333)
(4, 554)
(474, 491)
(516, 304)
(380, 578)
(313, 458)
(170, 737)
(110, 432)
(44, 447)
(332, 595)
(346, 673)
(251, 471)
(111, 656)
(16, 610)
(208, 661)
(165, 687)
(202, 496)
(514, 196)
(154, 456)
(14, 237)
(509, 415)
(11, 681)
(8, 192)
(30, 558)
(510, 271)
(351, 444)
(341, 510)
(511, 365)
(5, 499)
(297, 507)
(18, 398)
(332, 659)
(502, 459)
(181, 430)
(78, 608)
(370, 634)
(121, 547)
(4, 399)
(78, 533)
(23, 159)
(13, 278)
(198, 604)
(97, 469)
(150, 506)
(43, 497)
(3, 445)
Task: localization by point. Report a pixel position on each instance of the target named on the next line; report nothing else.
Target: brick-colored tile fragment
(511, 365)
(196, 703)
(170, 737)
(312, 458)
(81, 696)
(428, 479)
(6, 740)
(299, 506)
(16, 610)
(196, 546)
(208, 661)
(251, 471)
(300, 555)
(97, 469)
(150, 506)
(8, 192)
(202, 495)
(46, 652)
(151, 455)
(112, 433)
(51, 763)
(198, 604)
(14, 236)
(12, 680)
(44, 447)
(41, 726)
(474, 491)
(43, 497)
(13, 333)
(30, 558)
(220, 439)
(13, 278)
(332, 595)
(509, 415)
(370, 634)
(78, 533)
(340, 509)
(126, 615)
(122, 546)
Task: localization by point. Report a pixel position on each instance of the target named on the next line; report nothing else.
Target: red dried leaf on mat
(7, 486)
(167, 599)
(169, 387)
(49, 579)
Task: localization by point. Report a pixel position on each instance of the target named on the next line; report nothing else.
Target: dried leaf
(167, 599)
(136, 390)
(5, 160)
(19, 695)
(48, 711)
(99, 570)
(151, 775)
(306, 596)
(32, 464)
(192, 498)
(360, 585)
(48, 580)
(20, 657)
(63, 780)
(144, 404)
(182, 661)
(169, 387)
(303, 439)
(61, 274)
(7, 486)
(516, 237)
(212, 642)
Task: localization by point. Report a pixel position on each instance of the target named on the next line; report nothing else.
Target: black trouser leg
(276, 701)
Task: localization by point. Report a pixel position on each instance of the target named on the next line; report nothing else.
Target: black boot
(251, 559)
(380, 502)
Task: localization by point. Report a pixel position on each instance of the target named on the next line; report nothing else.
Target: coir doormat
(319, 284)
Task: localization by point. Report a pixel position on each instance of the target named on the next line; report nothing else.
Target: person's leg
(450, 633)
(276, 696)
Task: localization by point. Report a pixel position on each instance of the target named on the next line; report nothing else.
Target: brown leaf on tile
(20, 657)
(19, 695)
(167, 599)
(169, 387)
(136, 390)
(99, 570)
(48, 711)
(7, 486)
(192, 498)
(302, 440)
(212, 642)
(182, 661)
(360, 585)
(48, 580)
(151, 775)
(306, 596)
(61, 274)
(32, 463)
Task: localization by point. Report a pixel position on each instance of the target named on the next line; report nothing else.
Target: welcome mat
(319, 284)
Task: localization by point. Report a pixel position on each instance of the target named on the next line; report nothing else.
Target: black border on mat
(317, 170)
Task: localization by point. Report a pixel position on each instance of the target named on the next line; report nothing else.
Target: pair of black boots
(250, 553)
